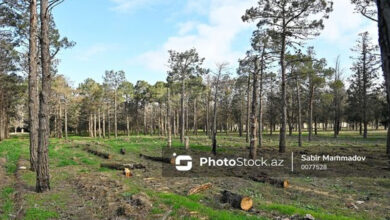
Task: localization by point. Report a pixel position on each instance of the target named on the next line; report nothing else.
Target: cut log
(272, 181)
(119, 166)
(159, 159)
(127, 172)
(98, 153)
(123, 151)
(237, 201)
(200, 188)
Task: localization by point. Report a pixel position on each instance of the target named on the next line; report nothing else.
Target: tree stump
(237, 201)
(127, 172)
(123, 151)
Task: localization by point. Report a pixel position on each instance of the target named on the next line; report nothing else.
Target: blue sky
(134, 35)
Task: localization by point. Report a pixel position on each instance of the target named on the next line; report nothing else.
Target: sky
(135, 35)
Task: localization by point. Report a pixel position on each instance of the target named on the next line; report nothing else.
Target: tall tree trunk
(384, 43)
(115, 115)
(299, 113)
(282, 137)
(261, 110)
(310, 115)
(66, 121)
(104, 124)
(33, 102)
(43, 177)
(240, 124)
(207, 114)
(248, 109)
(214, 139)
(182, 118)
(99, 124)
(109, 120)
(195, 118)
(60, 121)
(94, 125)
(169, 117)
(253, 124)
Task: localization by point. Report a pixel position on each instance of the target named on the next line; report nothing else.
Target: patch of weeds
(88, 161)
(179, 202)
(318, 213)
(104, 169)
(36, 213)
(8, 205)
(156, 210)
(66, 162)
(29, 178)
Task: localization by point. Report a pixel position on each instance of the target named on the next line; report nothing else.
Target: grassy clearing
(68, 161)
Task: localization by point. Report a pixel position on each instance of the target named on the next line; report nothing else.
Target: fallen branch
(98, 153)
(272, 181)
(200, 188)
(119, 166)
(237, 201)
(159, 159)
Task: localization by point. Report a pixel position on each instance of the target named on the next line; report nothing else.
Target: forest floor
(81, 189)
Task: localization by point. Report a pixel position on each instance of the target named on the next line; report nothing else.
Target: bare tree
(33, 103)
(43, 178)
(220, 69)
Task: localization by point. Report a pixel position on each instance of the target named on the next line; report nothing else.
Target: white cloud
(129, 5)
(94, 51)
(344, 24)
(213, 40)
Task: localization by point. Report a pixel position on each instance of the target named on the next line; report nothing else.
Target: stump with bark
(237, 201)
(123, 151)
(127, 172)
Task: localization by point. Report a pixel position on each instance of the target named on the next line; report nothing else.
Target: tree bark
(43, 177)
(115, 115)
(99, 124)
(253, 124)
(104, 124)
(66, 121)
(282, 137)
(182, 111)
(214, 139)
(109, 120)
(299, 113)
(248, 110)
(169, 117)
(33, 103)
(384, 43)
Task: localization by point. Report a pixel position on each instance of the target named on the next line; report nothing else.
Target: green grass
(7, 206)
(39, 214)
(67, 161)
(317, 213)
(191, 203)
